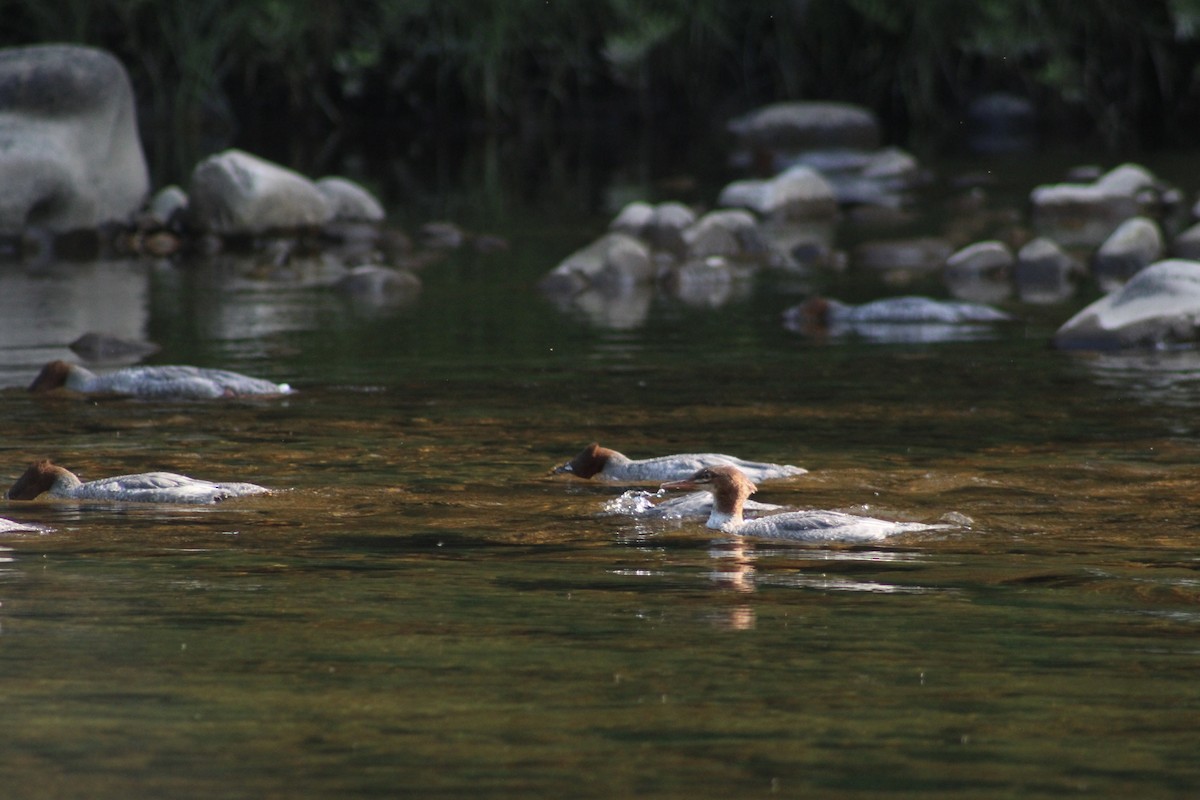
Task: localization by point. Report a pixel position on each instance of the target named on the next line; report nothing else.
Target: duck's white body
(609, 465)
(730, 490)
(45, 478)
(156, 382)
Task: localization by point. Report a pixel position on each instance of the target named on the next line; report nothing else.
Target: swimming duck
(44, 477)
(610, 465)
(730, 489)
(155, 383)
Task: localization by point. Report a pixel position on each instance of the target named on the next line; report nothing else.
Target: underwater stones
(807, 125)
(1159, 305)
(1133, 246)
(797, 193)
(1085, 214)
(237, 193)
(70, 154)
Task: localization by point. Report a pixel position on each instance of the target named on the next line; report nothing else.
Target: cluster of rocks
(829, 180)
(76, 185)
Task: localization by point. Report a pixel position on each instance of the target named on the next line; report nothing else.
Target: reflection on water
(46, 306)
(1169, 376)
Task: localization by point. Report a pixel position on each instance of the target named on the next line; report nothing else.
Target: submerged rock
(1158, 306)
(70, 154)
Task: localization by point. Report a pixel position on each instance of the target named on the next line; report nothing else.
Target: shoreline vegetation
(1117, 73)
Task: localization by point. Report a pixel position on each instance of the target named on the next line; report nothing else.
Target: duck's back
(826, 526)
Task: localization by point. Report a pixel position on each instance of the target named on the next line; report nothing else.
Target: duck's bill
(686, 483)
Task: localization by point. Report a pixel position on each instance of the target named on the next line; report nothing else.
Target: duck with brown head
(44, 478)
(607, 464)
(155, 382)
(730, 489)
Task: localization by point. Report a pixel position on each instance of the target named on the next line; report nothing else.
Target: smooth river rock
(615, 261)
(1134, 245)
(237, 193)
(797, 193)
(1159, 305)
(807, 125)
(70, 154)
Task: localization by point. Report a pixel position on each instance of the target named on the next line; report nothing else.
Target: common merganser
(44, 477)
(892, 318)
(730, 489)
(638, 503)
(610, 465)
(155, 383)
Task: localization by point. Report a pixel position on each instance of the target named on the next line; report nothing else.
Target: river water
(424, 611)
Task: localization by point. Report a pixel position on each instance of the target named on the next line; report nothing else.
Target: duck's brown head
(728, 484)
(590, 461)
(38, 478)
(53, 376)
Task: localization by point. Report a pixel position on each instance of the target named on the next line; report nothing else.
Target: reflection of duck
(730, 488)
(43, 477)
(155, 383)
(610, 465)
(876, 319)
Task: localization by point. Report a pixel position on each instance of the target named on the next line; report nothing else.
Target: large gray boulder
(807, 125)
(234, 193)
(1159, 305)
(70, 154)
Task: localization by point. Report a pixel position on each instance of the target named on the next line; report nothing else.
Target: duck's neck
(727, 507)
(724, 520)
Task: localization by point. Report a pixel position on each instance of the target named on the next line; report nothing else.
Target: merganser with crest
(46, 478)
(730, 489)
(609, 465)
(155, 382)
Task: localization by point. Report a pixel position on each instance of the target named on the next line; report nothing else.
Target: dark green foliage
(1123, 69)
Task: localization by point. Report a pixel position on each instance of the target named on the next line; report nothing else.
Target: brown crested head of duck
(590, 461)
